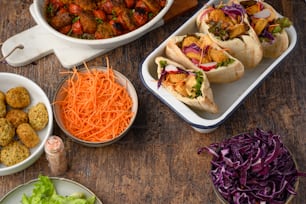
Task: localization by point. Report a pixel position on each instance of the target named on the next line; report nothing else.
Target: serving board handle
(34, 47)
(37, 42)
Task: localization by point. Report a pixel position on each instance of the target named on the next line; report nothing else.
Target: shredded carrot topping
(95, 108)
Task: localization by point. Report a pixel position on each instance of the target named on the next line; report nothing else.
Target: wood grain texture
(180, 7)
(157, 161)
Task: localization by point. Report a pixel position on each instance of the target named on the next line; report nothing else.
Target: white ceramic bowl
(121, 79)
(39, 9)
(10, 80)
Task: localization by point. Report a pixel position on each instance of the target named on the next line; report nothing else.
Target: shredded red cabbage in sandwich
(234, 10)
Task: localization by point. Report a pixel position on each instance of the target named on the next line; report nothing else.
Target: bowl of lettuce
(253, 167)
(50, 190)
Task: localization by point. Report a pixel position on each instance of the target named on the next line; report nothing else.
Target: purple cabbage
(253, 167)
(162, 77)
(194, 48)
(267, 35)
(234, 10)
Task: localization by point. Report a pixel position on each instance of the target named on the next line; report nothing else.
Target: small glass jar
(56, 155)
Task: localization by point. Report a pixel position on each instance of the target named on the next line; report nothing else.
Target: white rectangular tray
(228, 97)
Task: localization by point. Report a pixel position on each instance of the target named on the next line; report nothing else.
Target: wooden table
(157, 161)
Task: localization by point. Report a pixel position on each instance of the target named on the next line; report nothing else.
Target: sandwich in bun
(198, 51)
(228, 26)
(187, 85)
(269, 27)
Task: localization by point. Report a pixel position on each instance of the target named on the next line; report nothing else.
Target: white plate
(228, 97)
(10, 80)
(63, 187)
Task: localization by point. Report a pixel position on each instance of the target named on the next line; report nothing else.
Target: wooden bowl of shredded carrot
(95, 106)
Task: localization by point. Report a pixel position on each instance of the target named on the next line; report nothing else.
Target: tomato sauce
(100, 19)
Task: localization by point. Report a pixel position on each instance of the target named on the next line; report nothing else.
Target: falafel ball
(2, 96)
(14, 153)
(2, 109)
(38, 116)
(17, 116)
(18, 97)
(7, 132)
(27, 135)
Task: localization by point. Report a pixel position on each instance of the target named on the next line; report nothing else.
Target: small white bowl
(39, 9)
(121, 79)
(10, 80)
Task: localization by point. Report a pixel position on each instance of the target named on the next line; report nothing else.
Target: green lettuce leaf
(44, 192)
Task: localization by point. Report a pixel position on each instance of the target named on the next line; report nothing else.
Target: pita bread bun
(204, 102)
(246, 48)
(280, 43)
(222, 74)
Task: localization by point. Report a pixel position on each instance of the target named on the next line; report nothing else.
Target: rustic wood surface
(157, 161)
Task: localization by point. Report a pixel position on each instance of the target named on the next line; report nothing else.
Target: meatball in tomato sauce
(98, 19)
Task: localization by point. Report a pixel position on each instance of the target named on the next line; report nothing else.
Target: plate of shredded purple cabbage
(253, 168)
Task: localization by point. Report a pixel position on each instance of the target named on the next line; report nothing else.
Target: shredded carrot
(95, 108)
